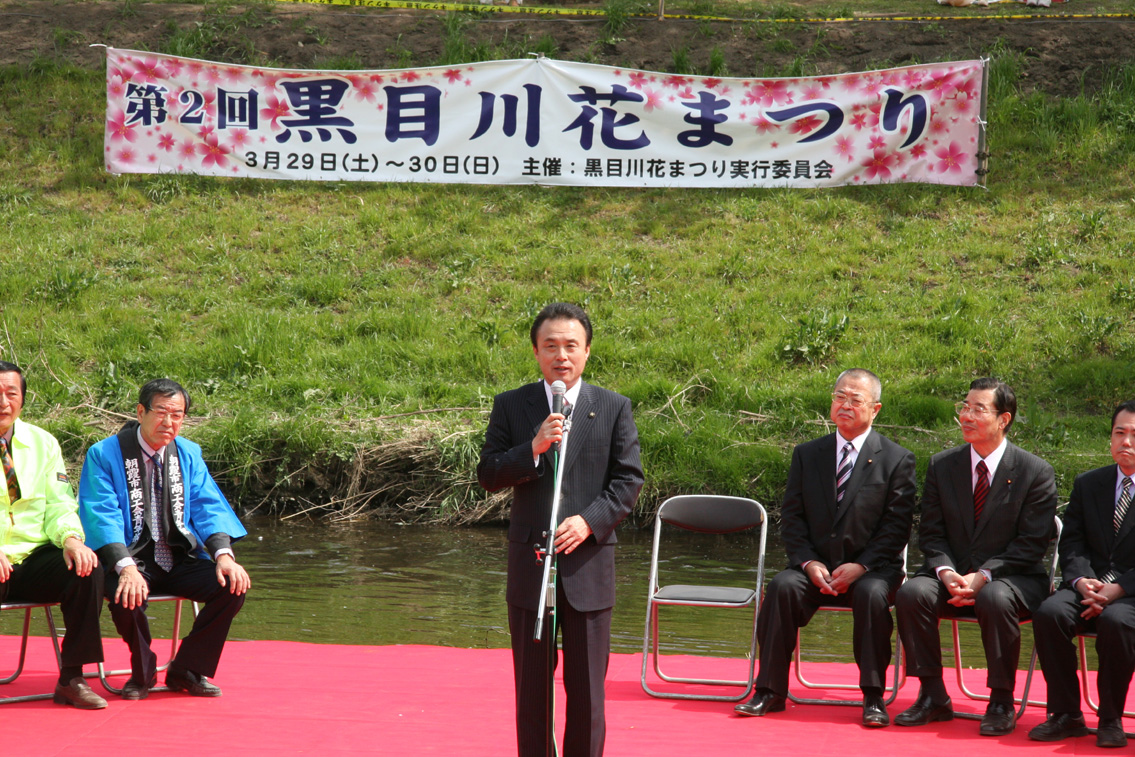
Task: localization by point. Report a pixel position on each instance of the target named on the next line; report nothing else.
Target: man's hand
(963, 589)
(228, 568)
(845, 575)
(818, 574)
(571, 533)
(5, 568)
(1097, 595)
(550, 431)
(132, 589)
(79, 557)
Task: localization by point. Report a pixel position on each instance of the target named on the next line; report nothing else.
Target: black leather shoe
(190, 682)
(762, 703)
(78, 694)
(1059, 727)
(136, 690)
(1110, 734)
(875, 713)
(924, 711)
(999, 720)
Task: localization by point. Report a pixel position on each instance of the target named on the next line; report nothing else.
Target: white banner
(544, 121)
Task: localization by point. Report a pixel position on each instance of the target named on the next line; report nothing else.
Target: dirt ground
(1063, 56)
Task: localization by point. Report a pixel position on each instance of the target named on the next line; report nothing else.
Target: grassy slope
(293, 311)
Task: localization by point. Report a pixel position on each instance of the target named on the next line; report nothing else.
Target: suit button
(832, 536)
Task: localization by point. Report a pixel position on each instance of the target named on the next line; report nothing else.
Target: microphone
(558, 389)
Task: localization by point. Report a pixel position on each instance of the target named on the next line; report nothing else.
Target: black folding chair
(711, 515)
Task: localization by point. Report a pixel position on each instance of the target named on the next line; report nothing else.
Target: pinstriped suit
(602, 479)
(1009, 541)
(1090, 548)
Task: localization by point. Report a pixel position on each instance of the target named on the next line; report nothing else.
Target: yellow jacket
(46, 511)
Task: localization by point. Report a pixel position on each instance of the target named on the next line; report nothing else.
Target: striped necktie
(163, 556)
(844, 473)
(1123, 503)
(9, 472)
(1121, 508)
(980, 490)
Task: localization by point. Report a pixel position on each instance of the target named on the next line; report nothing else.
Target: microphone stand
(547, 605)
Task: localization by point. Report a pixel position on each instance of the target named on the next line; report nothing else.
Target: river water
(381, 583)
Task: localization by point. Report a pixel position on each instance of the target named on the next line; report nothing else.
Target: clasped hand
(1096, 595)
(963, 589)
(837, 581)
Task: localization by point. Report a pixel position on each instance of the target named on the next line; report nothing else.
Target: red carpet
(287, 698)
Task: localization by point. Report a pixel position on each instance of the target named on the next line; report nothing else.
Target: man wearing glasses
(987, 518)
(158, 522)
(845, 519)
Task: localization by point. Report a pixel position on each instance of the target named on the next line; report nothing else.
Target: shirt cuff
(124, 562)
(986, 574)
(938, 571)
(223, 551)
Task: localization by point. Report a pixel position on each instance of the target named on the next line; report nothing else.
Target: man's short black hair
(6, 367)
(1122, 407)
(1004, 400)
(162, 387)
(564, 311)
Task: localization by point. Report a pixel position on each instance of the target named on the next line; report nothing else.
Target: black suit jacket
(1016, 524)
(601, 483)
(1089, 546)
(872, 523)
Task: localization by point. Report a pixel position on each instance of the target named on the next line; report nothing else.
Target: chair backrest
(1059, 526)
(711, 514)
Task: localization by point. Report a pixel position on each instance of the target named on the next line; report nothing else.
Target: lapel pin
(869, 461)
(591, 415)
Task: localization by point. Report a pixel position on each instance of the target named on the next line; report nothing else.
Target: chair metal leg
(23, 648)
(650, 647)
(1023, 701)
(175, 636)
(23, 655)
(1081, 643)
(899, 681)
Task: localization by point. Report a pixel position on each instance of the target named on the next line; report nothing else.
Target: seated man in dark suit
(1097, 560)
(987, 517)
(155, 516)
(845, 519)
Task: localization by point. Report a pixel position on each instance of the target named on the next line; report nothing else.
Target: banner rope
(547, 11)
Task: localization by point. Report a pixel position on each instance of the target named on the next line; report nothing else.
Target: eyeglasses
(965, 407)
(855, 400)
(162, 415)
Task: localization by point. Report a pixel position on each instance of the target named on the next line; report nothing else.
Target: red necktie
(980, 490)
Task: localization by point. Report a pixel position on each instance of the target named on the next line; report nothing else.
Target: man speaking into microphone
(601, 482)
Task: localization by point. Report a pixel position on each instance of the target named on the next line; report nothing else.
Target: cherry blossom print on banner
(544, 121)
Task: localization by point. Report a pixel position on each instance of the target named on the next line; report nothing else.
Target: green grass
(298, 313)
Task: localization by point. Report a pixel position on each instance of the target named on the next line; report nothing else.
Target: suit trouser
(1055, 626)
(1000, 608)
(200, 650)
(44, 577)
(790, 602)
(586, 649)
